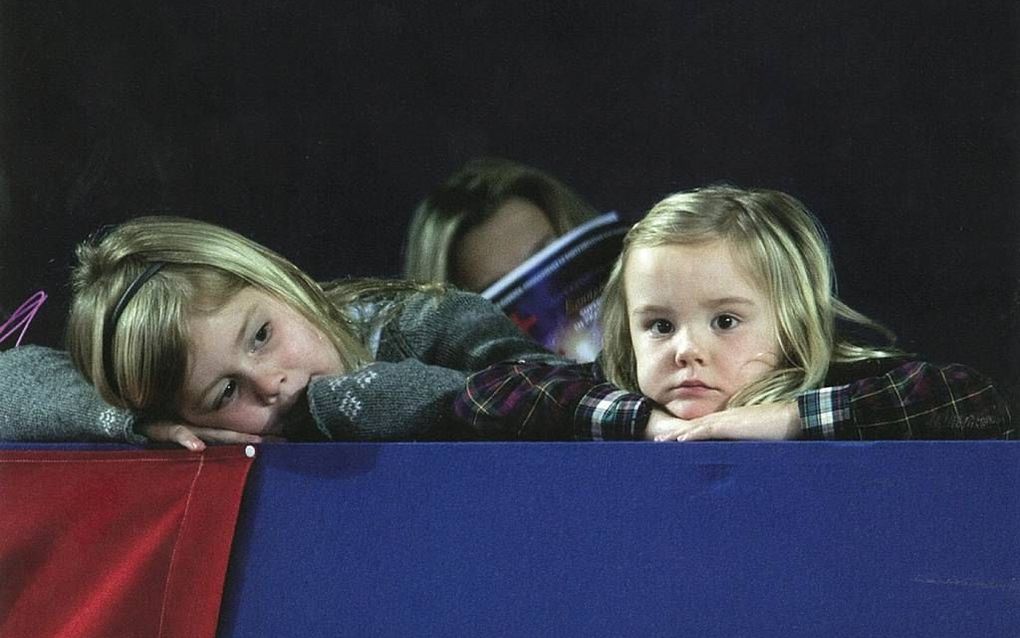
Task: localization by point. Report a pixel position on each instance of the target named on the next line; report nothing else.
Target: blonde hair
(468, 198)
(197, 267)
(784, 249)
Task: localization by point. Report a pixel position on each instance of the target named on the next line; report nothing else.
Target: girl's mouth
(692, 389)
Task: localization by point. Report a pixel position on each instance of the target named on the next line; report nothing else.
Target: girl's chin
(688, 409)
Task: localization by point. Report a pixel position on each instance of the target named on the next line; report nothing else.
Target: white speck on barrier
(249, 451)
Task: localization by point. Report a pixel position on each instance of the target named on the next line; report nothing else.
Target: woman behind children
(720, 321)
(486, 219)
(191, 333)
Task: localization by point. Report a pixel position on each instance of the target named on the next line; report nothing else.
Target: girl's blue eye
(662, 326)
(725, 322)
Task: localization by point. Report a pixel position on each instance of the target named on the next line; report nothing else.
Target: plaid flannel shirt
(915, 400)
(535, 401)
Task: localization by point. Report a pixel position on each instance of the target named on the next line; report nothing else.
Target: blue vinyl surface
(628, 539)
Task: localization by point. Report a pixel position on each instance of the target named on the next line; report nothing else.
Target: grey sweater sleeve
(385, 401)
(44, 398)
(425, 353)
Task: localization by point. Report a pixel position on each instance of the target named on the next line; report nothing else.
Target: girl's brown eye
(228, 392)
(662, 327)
(263, 334)
(726, 322)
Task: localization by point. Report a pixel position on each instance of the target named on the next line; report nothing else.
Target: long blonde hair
(468, 198)
(196, 267)
(784, 249)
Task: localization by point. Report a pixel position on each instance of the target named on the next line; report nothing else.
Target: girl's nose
(688, 349)
(267, 384)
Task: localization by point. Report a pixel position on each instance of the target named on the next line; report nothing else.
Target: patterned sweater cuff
(606, 413)
(824, 412)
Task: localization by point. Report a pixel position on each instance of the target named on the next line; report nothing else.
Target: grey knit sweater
(425, 345)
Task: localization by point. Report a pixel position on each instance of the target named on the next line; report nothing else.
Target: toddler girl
(720, 321)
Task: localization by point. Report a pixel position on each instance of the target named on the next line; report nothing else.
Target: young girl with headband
(187, 332)
(720, 321)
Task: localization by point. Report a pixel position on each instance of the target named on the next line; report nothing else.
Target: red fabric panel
(116, 543)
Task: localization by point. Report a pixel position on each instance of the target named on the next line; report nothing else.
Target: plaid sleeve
(524, 400)
(607, 413)
(920, 400)
(824, 410)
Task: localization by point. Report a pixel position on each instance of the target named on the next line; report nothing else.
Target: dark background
(315, 127)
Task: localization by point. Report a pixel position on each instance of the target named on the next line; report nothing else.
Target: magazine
(554, 296)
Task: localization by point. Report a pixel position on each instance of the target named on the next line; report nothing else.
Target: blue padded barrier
(628, 539)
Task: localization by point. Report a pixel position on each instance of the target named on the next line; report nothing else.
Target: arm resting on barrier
(913, 400)
(46, 399)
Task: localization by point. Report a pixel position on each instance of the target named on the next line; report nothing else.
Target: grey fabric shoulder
(429, 343)
(44, 398)
(458, 330)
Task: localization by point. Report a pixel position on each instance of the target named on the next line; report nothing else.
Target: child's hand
(663, 426)
(193, 437)
(766, 422)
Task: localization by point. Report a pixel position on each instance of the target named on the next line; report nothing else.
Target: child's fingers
(194, 438)
(184, 437)
(678, 434)
(173, 433)
(215, 435)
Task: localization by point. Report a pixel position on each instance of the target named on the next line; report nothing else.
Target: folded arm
(44, 398)
(425, 354)
(538, 401)
(914, 400)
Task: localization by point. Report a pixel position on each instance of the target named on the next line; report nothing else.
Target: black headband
(111, 321)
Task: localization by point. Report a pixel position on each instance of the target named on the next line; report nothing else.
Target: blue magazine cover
(555, 295)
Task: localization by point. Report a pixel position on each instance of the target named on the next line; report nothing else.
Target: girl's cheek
(644, 383)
